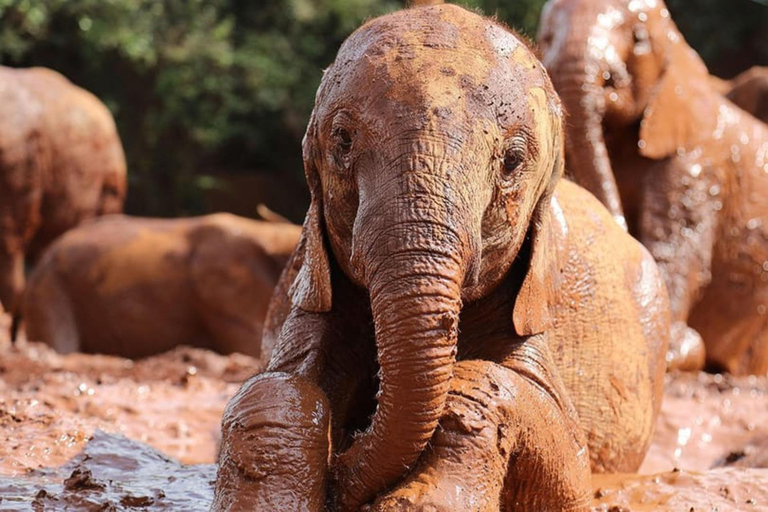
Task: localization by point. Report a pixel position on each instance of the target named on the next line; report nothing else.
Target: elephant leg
(275, 446)
(686, 350)
(503, 444)
(48, 315)
(678, 224)
(11, 284)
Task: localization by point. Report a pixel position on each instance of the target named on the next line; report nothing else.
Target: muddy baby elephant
(134, 287)
(457, 329)
(61, 162)
(647, 122)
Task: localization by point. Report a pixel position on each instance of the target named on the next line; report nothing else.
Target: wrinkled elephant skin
(134, 287)
(457, 329)
(61, 162)
(647, 119)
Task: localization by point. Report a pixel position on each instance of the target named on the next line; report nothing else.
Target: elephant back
(614, 368)
(80, 157)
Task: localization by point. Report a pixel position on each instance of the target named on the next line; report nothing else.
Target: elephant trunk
(415, 272)
(587, 155)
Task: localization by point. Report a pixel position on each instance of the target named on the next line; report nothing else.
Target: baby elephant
(135, 287)
(458, 330)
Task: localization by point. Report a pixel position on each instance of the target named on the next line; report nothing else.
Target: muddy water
(50, 405)
(709, 420)
(102, 433)
(112, 473)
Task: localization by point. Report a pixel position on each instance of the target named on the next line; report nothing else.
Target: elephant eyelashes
(342, 147)
(344, 140)
(514, 156)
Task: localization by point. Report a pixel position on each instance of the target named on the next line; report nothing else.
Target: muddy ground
(103, 433)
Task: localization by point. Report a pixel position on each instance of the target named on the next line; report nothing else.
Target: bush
(204, 87)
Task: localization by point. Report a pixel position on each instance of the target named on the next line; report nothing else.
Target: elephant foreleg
(503, 444)
(11, 283)
(275, 446)
(678, 224)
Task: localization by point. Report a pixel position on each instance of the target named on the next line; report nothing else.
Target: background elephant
(749, 90)
(691, 167)
(444, 277)
(135, 287)
(61, 162)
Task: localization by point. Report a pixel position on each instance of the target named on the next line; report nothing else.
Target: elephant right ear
(311, 289)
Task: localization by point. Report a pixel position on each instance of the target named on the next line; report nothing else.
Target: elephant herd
(454, 327)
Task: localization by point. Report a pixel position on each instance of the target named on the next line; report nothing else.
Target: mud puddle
(86, 432)
(50, 405)
(112, 473)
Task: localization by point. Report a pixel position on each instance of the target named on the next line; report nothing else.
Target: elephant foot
(275, 446)
(502, 444)
(686, 349)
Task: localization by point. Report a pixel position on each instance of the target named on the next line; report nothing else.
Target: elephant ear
(531, 312)
(311, 289)
(680, 113)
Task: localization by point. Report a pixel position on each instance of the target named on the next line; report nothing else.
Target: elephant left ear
(531, 312)
(311, 288)
(680, 114)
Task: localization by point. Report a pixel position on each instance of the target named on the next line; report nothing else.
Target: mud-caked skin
(134, 287)
(457, 329)
(647, 121)
(61, 162)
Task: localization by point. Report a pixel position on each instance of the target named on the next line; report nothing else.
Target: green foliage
(521, 15)
(202, 86)
(731, 35)
(195, 85)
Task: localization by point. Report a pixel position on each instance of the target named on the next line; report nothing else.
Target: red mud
(52, 405)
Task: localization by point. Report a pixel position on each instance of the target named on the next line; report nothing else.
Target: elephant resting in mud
(135, 287)
(457, 328)
(61, 162)
(647, 122)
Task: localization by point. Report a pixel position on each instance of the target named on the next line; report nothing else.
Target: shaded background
(211, 97)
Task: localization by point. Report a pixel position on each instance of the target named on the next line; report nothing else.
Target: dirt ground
(102, 433)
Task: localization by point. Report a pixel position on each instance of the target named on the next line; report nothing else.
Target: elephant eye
(342, 140)
(514, 156)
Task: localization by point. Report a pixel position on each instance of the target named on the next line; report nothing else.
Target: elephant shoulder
(584, 222)
(592, 245)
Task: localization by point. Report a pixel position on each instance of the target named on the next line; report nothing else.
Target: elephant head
(434, 146)
(617, 63)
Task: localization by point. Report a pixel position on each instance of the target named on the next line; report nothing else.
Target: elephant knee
(481, 404)
(275, 445)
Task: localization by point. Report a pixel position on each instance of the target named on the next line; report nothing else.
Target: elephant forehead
(435, 57)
